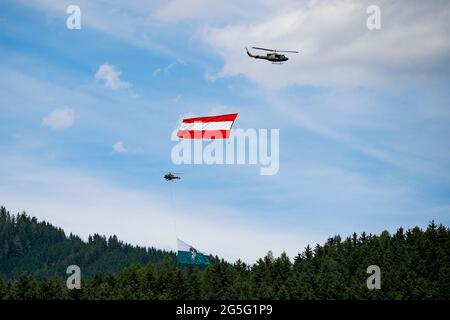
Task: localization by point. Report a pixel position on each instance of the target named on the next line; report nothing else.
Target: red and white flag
(212, 127)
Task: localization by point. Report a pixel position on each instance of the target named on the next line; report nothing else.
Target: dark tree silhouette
(414, 263)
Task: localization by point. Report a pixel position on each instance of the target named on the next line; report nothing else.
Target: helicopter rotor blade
(275, 50)
(291, 51)
(259, 48)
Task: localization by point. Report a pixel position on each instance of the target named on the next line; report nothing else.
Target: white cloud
(60, 119)
(84, 204)
(336, 48)
(111, 76)
(119, 147)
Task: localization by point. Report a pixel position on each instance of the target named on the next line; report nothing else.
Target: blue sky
(364, 119)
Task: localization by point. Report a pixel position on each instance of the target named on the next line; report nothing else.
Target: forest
(34, 255)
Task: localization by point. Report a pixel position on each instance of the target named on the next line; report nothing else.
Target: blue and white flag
(187, 254)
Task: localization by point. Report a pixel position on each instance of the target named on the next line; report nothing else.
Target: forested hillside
(415, 264)
(41, 250)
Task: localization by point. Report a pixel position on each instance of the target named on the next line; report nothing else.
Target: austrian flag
(212, 127)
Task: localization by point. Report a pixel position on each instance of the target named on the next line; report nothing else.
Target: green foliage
(415, 264)
(29, 247)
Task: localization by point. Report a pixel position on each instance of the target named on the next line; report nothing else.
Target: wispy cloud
(111, 76)
(119, 147)
(156, 72)
(336, 48)
(177, 98)
(166, 70)
(359, 158)
(85, 204)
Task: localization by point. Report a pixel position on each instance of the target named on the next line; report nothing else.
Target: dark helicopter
(171, 176)
(273, 56)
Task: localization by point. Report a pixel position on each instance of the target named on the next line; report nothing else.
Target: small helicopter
(274, 56)
(171, 176)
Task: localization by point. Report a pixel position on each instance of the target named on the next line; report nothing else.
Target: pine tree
(415, 264)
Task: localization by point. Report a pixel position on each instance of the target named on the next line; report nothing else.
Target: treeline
(30, 247)
(415, 264)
